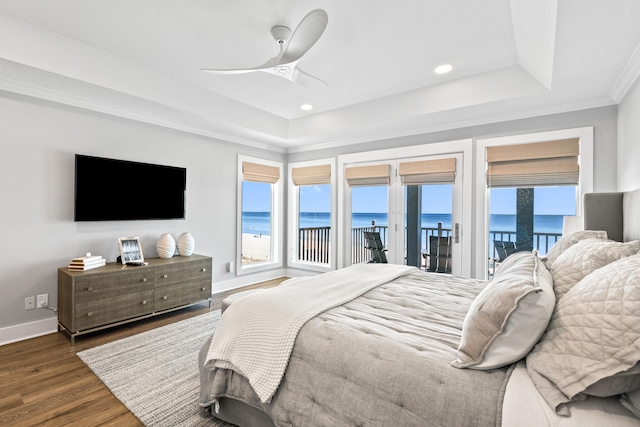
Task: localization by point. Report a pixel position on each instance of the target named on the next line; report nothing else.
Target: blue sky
(435, 199)
(256, 197)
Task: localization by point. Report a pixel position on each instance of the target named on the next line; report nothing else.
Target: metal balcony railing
(314, 243)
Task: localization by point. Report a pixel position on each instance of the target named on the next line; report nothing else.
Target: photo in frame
(130, 250)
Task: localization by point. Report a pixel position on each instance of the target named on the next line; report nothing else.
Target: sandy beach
(255, 248)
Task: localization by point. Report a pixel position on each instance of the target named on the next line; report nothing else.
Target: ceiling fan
(293, 45)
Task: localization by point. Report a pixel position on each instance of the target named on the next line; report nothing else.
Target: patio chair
(439, 254)
(506, 248)
(375, 246)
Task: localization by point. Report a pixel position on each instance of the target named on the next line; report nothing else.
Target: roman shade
(536, 164)
(311, 175)
(256, 172)
(438, 171)
(368, 175)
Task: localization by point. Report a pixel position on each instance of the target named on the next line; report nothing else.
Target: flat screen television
(120, 190)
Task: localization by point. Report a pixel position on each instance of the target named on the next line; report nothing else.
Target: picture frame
(130, 250)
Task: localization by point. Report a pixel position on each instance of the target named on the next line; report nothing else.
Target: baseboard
(25, 331)
(242, 281)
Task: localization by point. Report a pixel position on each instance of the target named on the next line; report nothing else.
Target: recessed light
(306, 107)
(443, 69)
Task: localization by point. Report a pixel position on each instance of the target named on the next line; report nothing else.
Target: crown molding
(277, 146)
(627, 78)
(46, 94)
(458, 124)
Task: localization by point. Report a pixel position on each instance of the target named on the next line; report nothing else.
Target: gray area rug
(155, 373)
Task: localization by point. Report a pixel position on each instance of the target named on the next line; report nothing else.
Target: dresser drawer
(93, 313)
(185, 293)
(109, 285)
(182, 273)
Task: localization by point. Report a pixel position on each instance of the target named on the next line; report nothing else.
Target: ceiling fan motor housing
(281, 34)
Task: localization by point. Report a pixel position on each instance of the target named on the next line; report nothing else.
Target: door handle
(456, 232)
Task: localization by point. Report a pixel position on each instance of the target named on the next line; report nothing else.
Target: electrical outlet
(30, 303)
(43, 300)
(230, 267)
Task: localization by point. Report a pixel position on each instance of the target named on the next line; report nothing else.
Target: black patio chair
(375, 246)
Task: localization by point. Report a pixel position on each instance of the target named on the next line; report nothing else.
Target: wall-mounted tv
(120, 190)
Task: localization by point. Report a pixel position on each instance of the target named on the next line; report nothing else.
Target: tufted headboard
(617, 213)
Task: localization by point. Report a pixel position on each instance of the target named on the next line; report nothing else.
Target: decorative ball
(166, 246)
(186, 244)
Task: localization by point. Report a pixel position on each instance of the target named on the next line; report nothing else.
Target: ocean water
(259, 222)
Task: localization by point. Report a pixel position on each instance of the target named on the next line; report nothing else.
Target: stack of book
(87, 263)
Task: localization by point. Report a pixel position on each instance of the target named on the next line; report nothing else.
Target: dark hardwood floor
(44, 383)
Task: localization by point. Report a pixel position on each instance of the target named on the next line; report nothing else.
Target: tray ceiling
(143, 60)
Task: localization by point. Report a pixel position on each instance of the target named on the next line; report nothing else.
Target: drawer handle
(165, 297)
(90, 288)
(144, 301)
(204, 289)
(164, 276)
(144, 280)
(90, 313)
(204, 269)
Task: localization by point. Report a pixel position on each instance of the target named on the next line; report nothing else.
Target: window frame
(586, 159)
(294, 219)
(441, 149)
(276, 220)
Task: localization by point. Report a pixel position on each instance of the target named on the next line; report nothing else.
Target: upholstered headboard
(617, 213)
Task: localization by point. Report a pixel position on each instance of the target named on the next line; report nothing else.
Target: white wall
(39, 140)
(629, 140)
(603, 120)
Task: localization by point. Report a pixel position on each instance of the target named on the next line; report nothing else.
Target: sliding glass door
(413, 204)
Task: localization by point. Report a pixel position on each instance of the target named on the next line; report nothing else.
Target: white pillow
(584, 258)
(508, 317)
(568, 240)
(593, 338)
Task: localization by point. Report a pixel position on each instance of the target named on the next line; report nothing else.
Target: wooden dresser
(115, 294)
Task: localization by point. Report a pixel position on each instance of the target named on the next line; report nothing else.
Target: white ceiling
(142, 59)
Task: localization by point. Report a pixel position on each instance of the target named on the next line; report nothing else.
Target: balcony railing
(541, 241)
(313, 243)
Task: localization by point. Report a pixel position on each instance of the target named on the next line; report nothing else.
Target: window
(526, 170)
(527, 184)
(259, 188)
(532, 216)
(311, 235)
(385, 196)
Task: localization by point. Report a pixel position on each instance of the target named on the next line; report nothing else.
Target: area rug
(155, 373)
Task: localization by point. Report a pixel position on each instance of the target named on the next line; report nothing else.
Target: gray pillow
(631, 401)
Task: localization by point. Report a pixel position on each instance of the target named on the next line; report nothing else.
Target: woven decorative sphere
(186, 244)
(166, 246)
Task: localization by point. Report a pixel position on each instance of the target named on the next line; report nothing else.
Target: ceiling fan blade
(269, 65)
(306, 34)
(307, 81)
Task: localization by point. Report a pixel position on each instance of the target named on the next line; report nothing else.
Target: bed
(551, 340)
